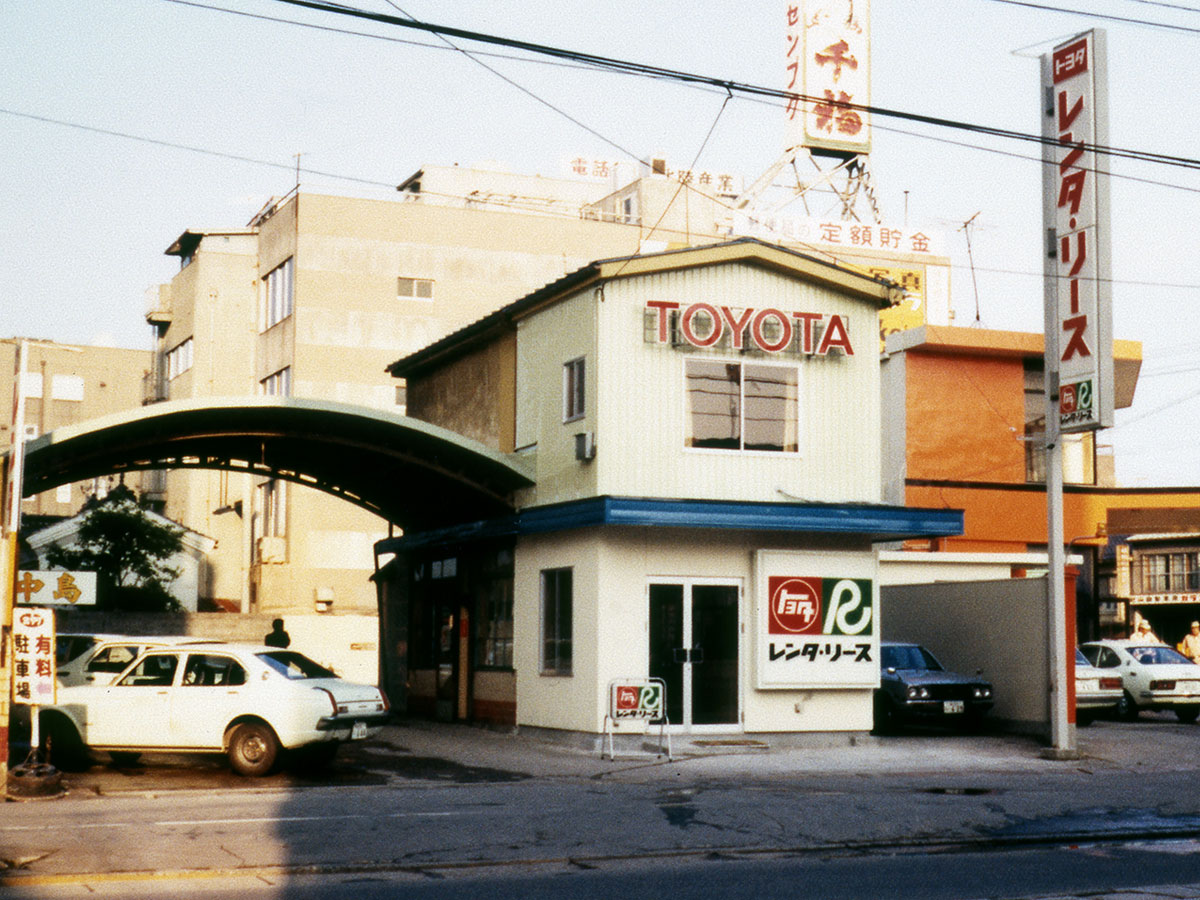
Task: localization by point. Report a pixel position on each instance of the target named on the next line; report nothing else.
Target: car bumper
(351, 727)
(944, 710)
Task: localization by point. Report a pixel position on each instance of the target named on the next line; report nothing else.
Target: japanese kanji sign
(1079, 303)
(35, 588)
(33, 657)
(827, 60)
(816, 629)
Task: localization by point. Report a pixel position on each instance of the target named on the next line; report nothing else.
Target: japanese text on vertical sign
(827, 62)
(33, 657)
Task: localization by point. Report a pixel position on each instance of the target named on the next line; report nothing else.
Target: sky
(125, 122)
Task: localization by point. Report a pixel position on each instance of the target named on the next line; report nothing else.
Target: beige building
(66, 384)
(313, 299)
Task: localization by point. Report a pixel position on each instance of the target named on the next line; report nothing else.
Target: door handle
(681, 655)
(696, 654)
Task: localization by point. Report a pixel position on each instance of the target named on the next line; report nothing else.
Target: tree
(128, 550)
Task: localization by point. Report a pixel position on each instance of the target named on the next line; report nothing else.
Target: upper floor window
(414, 288)
(278, 384)
(279, 294)
(742, 406)
(180, 359)
(1159, 573)
(573, 390)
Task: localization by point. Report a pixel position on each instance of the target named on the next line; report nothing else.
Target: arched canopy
(412, 473)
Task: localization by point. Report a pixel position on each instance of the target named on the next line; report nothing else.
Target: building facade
(704, 427)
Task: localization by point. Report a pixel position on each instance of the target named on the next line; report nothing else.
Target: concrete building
(67, 384)
(707, 497)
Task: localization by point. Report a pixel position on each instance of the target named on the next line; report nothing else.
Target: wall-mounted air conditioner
(585, 446)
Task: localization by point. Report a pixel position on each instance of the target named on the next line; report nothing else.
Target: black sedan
(914, 687)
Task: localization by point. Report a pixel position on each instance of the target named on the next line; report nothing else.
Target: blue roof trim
(874, 521)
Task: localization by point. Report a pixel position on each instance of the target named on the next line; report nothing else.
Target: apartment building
(66, 384)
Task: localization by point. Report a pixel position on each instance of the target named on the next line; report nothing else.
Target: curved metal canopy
(409, 472)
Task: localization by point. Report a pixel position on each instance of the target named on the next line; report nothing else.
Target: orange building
(968, 407)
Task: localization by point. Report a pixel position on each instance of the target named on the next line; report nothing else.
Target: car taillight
(332, 702)
(1162, 685)
(1110, 684)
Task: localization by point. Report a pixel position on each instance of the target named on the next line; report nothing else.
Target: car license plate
(951, 707)
(358, 731)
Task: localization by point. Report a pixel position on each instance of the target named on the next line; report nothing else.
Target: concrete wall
(347, 644)
(997, 626)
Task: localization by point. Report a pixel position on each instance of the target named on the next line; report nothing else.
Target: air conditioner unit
(272, 549)
(585, 446)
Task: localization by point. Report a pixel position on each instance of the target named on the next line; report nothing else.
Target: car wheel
(1187, 713)
(61, 743)
(1084, 719)
(1127, 709)
(253, 749)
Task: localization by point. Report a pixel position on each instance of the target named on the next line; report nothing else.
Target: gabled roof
(751, 251)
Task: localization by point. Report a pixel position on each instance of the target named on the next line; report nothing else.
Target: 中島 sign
(827, 60)
(37, 588)
(1079, 304)
(33, 657)
(815, 630)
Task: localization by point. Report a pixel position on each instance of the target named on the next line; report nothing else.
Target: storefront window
(556, 621)
(494, 628)
(740, 406)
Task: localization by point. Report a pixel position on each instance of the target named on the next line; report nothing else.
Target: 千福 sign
(38, 588)
(33, 681)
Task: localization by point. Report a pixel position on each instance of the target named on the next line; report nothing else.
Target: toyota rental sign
(1078, 297)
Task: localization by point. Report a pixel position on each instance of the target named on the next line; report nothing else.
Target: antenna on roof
(966, 229)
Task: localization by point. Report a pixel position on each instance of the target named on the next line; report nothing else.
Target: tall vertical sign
(1079, 308)
(827, 60)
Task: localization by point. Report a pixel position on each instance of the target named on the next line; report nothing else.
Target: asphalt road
(445, 812)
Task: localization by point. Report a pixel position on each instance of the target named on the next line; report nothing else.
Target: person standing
(1190, 645)
(277, 637)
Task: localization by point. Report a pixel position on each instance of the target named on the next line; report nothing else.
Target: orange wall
(964, 418)
(1000, 519)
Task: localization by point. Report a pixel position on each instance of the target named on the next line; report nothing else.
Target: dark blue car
(914, 687)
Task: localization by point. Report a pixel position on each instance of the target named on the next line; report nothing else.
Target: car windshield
(291, 664)
(1158, 656)
(909, 656)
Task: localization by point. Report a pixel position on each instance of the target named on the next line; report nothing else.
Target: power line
(735, 87)
(1102, 16)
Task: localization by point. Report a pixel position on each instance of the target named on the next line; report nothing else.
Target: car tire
(1127, 708)
(253, 749)
(1084, 719)
(1187, 713)
(61, 744)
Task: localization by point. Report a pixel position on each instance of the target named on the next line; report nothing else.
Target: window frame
(415, 285)
(792, 451)
(277, 384)
(279, 293)
(574, 389)
(556, 595)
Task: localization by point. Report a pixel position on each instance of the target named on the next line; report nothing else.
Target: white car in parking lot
(249, 702)
(1096, 691)
(1153, 676)
(111, 654)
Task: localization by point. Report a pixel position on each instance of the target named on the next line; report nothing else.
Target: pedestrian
(1190, 645)
(277, 637)
(1143, 632)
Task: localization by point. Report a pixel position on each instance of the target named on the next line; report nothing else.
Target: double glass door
(694, 649)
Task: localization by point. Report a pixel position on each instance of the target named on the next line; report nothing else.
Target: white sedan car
(1097, 692)
(111, 654)
(1153, 676)
(249, 702)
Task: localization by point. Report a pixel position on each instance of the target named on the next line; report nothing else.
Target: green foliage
(127, 550)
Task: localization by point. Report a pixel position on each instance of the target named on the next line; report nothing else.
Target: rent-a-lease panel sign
(816, 622)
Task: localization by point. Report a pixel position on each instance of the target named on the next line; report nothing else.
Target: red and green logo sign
(806, 605)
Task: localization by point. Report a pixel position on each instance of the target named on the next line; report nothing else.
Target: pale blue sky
(85, 215)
